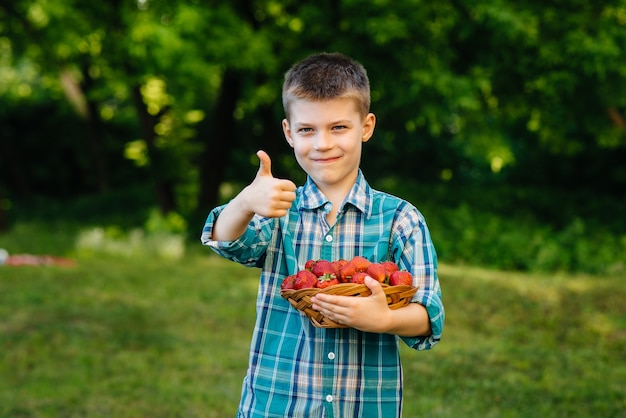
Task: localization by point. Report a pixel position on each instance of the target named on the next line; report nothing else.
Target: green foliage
(126, 208)
(467, 89)
(521, 229)
(499, 227)
(472, 237)
(94, 242)
(163, 236)
(173, 98)
(29, 237)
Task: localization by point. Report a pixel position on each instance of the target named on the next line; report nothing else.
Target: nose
(323, 141)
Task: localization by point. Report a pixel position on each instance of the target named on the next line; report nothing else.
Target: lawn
(142, 336)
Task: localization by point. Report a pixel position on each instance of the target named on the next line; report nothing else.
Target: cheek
(300, 148)
(352, 145)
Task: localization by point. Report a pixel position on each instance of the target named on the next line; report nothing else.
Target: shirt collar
(360, 196)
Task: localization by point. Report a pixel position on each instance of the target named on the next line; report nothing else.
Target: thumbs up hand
(265, 164)
(267, 195)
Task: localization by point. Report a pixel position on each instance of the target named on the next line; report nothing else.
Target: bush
(497, 227)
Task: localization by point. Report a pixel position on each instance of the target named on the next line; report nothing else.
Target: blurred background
(122, 123)
(505, 123)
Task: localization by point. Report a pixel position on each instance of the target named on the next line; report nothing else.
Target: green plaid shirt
(297, 370)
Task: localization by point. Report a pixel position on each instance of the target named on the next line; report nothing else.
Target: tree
(152, 56)
(187, 91)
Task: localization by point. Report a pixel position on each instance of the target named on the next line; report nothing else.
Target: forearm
(232, 221)
(409, 321)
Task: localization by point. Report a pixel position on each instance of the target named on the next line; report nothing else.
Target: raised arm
(266, 196)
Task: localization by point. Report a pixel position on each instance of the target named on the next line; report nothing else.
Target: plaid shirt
(297, 370)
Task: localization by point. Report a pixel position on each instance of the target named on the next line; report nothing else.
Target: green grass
(522, 345)
(117, 336)
(124, 338)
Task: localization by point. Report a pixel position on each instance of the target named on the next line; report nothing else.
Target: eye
(305, 130)
(339, 127)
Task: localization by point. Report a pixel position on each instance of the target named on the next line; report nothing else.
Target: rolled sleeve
(436, 314)
(418, 255)
(248, 249)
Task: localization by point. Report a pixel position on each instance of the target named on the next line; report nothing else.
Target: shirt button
(331, 356)
(329, 398)
(329, 238)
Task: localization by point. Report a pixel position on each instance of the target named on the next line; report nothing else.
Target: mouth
(326, 160)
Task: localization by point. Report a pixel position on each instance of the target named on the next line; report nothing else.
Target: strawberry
(346, 272)
(324, 269)
(323, 283)
(309, 264)
(359, 277)
(401, 278)
(338, 264)
(390, 267)
(377, 272)
(288, 282)
(360, 263)
(304, 280)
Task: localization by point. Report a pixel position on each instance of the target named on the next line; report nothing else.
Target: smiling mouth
(326, 160)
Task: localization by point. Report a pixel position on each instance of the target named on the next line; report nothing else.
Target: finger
(331, 303)
(336, 318)
(265, 164)
(319, 303)
(373, 285)
(287, 197)
(289, 186)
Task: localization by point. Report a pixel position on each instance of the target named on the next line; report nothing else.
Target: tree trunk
(219, 143)
(90, 110)
(163, 187)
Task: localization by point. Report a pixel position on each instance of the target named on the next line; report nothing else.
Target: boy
(295, 369)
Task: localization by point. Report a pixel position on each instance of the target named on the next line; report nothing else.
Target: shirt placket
(326, 250)
(329, 360)
(329, 350)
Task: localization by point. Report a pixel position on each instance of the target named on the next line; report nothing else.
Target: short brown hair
(327, 76)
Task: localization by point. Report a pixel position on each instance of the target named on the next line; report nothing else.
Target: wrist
(410, 321)
(244, 203)
(390, 321)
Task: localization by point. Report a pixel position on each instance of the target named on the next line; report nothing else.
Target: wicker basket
(397, 297)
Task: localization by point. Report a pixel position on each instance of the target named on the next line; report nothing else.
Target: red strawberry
(323, 283)
(360, 263)
(401, 278)
(309, 264)
(338, 264)
(323, 269)
(377, 271)
(359, 278)
(390, 267)
(288, 282)
(346, 272)
(304, 280)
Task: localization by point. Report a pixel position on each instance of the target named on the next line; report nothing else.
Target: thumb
(373, 285)
(265, 164)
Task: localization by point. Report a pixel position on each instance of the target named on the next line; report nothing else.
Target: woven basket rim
(340, 287)
(397, 297)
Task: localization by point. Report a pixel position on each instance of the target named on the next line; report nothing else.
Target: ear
(287, 132)
(369, 123)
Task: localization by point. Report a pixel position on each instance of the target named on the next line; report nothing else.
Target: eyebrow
(335, 122)
(342, 122)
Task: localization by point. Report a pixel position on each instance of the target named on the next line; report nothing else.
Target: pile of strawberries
(322, 274)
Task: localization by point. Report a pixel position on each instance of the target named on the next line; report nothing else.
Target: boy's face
(327, 138)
